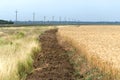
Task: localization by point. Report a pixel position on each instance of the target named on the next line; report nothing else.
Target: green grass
(17, 49)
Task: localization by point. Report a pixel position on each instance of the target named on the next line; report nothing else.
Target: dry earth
(51, 63)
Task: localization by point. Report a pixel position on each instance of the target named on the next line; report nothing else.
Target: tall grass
(99, 44)
(17, 48)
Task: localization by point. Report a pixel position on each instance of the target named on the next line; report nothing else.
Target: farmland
(86, 52)
(17, 48)
(99, 45)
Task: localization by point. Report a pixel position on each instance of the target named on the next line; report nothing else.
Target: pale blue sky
(84, 10)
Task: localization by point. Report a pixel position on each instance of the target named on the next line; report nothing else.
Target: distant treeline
(64, 23)
(6, 22)
(37, 23)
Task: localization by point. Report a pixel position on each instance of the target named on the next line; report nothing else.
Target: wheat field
(100, 44)
(17, 48)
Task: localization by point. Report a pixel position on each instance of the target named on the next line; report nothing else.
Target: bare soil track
(51, 63)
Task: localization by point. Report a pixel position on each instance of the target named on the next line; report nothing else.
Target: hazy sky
(84, 10)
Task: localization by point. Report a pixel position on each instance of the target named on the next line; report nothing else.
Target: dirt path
(52, 63)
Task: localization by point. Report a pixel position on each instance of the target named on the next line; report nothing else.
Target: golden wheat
(99, 44)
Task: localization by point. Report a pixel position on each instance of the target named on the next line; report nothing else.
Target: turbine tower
(16, 12)
(33, 17)
(53, 18)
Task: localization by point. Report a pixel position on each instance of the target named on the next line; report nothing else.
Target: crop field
(99, 44)
(86, 52)
(17, 47)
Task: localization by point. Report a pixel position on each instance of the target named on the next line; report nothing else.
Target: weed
(20, 34)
